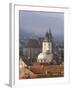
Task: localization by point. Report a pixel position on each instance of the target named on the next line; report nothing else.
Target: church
(38, 50)
(46, 56)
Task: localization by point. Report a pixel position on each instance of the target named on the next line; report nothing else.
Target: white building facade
(46, 56)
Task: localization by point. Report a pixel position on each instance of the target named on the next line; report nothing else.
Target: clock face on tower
(45, 46)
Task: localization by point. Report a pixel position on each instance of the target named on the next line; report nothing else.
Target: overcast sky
(40, 22)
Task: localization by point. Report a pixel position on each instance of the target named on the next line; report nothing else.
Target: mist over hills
(26, 35)
(31, 35)
(34, 24)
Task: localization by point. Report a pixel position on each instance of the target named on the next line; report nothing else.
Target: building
(20, 49)
(40, 50)
(47, 55)
(46, 46)
(31, 49)
(44, 58)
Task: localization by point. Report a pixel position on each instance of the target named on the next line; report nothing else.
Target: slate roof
(32, 43)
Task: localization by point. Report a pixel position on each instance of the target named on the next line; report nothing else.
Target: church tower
(47, 54)
(47, 43)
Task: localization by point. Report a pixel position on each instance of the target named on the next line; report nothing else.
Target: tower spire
(49, 30)
(46, 35)
(50, 35)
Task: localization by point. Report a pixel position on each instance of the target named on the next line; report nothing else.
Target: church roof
(46, 39)
(45, 57)
(32, 43)
(42, 56)
(48, 36)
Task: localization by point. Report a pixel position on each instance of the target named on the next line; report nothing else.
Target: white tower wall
(47, 47)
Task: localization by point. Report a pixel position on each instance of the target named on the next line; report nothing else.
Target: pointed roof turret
(46, 35)
(49, 30)
(50, 34)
